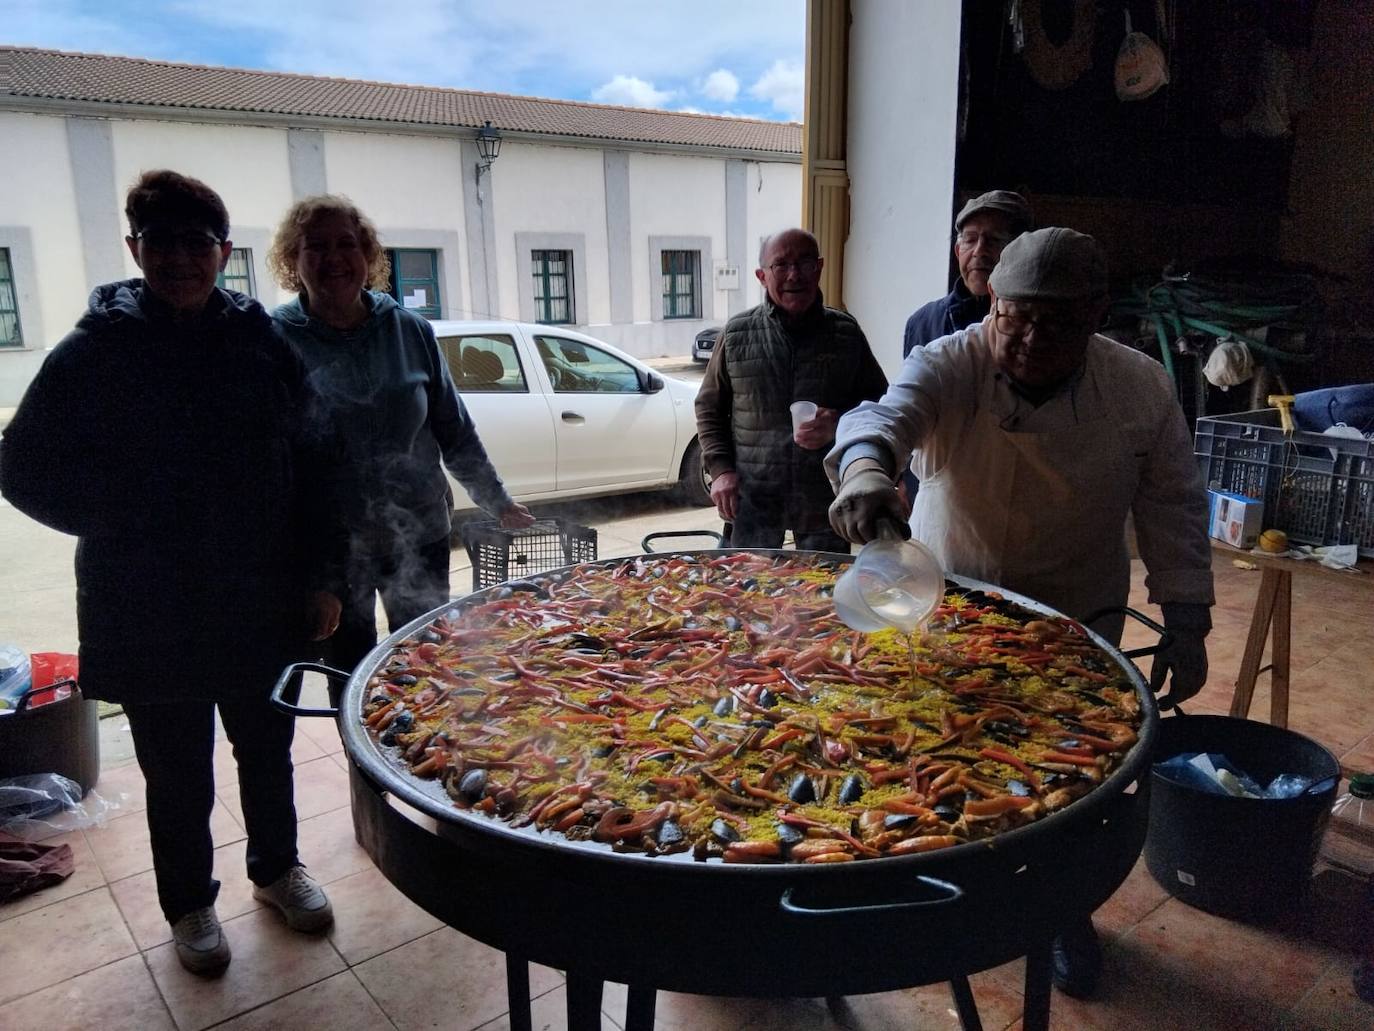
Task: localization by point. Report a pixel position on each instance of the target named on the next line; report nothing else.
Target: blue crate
(1315, 488)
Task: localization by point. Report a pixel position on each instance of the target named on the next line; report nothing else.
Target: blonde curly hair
(286, 244)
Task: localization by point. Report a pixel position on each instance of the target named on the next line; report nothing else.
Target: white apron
(1039, 513)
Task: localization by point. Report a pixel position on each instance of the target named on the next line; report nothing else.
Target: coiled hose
(1228, 302)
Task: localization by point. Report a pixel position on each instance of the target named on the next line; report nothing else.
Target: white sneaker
(300, 900)
(201, 945)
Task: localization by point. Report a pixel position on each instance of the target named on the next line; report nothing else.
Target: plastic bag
(39, 804)
(1229, 363)
(1218, 775)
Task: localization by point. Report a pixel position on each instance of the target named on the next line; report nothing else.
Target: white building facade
(641, 228)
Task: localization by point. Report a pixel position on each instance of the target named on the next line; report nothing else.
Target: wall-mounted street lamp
(488, 148)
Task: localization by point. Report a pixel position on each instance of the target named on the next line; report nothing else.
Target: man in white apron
(1033, 439)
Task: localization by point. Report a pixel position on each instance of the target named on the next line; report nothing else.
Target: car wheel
(693, 487)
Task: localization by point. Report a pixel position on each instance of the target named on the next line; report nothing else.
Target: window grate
(415, 280)
(10, 333)
(552, 281)
(681, 284)
(238, 272)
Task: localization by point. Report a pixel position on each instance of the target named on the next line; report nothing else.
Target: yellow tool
(1284, 403)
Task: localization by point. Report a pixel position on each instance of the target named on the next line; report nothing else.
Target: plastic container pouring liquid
(891, 585)
(1349, 841)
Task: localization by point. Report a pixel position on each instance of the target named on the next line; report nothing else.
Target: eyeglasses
(189, 241)
(970, 238)
(1014, 324)
(805, 267)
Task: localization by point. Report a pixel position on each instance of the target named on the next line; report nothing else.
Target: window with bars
(553, 302)
(238, 272)
(10, 334)
(681, 284)
(415, 280)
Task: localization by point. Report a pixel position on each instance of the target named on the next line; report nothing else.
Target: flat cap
(1054, 264)
(1013, 205)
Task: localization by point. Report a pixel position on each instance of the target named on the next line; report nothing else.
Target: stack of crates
(499, 554)
(1316, 488)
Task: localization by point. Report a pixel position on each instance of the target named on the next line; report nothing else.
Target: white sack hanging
(1229, 363)
(1140, 66)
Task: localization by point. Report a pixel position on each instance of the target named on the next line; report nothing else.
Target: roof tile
(106, 79)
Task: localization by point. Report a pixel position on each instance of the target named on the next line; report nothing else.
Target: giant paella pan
(681, 771)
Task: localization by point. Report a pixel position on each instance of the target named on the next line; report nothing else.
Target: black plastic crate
(1316, 488)
(499, 554)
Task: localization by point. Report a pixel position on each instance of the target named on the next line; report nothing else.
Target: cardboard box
(1234, 518)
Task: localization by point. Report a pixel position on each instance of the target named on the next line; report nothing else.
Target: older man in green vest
(766, 477)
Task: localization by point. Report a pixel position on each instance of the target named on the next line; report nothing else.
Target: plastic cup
(802, 411)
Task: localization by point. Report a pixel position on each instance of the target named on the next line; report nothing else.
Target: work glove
(867, 500)
(1183, 655)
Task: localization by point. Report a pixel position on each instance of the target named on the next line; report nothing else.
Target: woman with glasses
(389, 409)
(164, 432)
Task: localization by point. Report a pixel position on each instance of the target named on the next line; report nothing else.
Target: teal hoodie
(387, 399)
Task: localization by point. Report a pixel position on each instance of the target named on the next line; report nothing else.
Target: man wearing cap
(1034, 439)
(984, 226)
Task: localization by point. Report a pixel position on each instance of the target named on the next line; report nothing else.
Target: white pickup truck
(563, 415)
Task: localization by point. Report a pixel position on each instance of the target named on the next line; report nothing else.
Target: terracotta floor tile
(137, 897)
(371, 917)
(338, 1003)
(327, 847)
(1332, 1004)
(324, 732)
(1137, 897)
(549, 1012)
(85, 877)
(123, 784)
(320, 786)
(121, 846)
(1248, 970)
(464, 991)
(120, 996)
(59, 941)
(269, 961)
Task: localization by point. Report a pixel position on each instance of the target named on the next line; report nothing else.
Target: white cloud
(783, 87)
(549, 48)
(631, 91)
(721, 85)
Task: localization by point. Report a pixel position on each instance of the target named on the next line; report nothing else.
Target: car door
(511, 411)
(610, 432)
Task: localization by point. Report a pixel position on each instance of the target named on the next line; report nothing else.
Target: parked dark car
(705, 344)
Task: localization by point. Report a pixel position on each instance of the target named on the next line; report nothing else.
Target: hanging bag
(1140, 66)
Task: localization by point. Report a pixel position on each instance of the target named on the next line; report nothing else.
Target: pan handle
(1165, 638)
(952, 894)
(645, 544)
(287, 691)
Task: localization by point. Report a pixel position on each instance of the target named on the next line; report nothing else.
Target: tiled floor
(94, 952)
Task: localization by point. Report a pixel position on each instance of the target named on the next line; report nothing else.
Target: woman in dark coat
(163, 432)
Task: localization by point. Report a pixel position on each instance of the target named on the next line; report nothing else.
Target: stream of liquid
(900, 610)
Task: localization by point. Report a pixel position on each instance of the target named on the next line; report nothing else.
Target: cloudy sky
(736, 57)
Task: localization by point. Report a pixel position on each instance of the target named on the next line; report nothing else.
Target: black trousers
(410, 584)
(175, 745)
(763, 526)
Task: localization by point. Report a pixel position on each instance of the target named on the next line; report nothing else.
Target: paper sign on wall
(414, 300)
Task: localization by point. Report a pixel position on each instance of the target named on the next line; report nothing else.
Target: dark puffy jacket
(170, 449)
(760, 366)
(957, 310)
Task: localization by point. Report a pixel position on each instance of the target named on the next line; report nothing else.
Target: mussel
(403, 722)
(403, 680)
(801, 790)
(724, 832)
(668, 834)
(789, 835)
(896, 821)
(725, 706)
(852, 789)
(1018, 788)
(473, 785)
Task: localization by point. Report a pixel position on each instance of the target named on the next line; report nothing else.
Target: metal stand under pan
(779, 940)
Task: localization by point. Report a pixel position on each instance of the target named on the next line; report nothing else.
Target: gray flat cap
(1054, 264)
(1013, 205)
